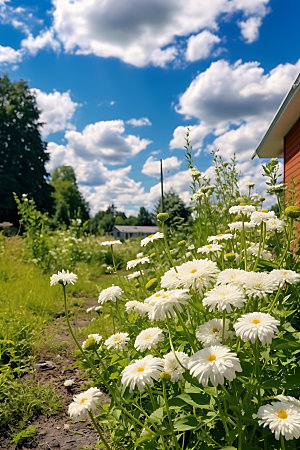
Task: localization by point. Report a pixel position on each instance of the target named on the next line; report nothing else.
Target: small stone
(66, 426)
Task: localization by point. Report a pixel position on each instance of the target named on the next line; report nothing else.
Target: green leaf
(157, 415)
(195, 399)
(286, 344)
(228, 448)
(186, 423)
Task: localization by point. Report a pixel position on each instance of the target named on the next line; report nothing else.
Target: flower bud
(151, 284)
(166, 376)
(293, 211)
(243, 204)
(183, 242)
(162, 217)
(238, 218)
(152, 255)
(90, 343)
(230, 256)
(227, 231)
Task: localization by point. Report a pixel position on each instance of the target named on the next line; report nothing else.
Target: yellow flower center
(242, 204)
(222, 293)
(284, 273)
(164, 296)
(150, 236)
(157, 295)
(83, 400)
(212, 358)
(214, 331)
(116, 338)
(209, 246)
(141, 369)
(264, 210)
(137, 259)
(194, 271)
(256, 321)
(219, 235)
(282, 414)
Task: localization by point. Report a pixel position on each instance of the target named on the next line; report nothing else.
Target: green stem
(282, 442)
(288, 241)
(261, 244)
(169, 416)
(151, 397)
(99, 430)
(244, 243)
(186, 332)
(167, 246)
(275, 299)
(171, 343)
(223, 326)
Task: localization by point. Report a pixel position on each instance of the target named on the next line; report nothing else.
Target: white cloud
(106, 141)
(142, 122)
(201, 45)
(57, 110)
(197, 135)
(140, 32)
(151, 166)
(45, 39)
(9, 55)
(250, 29)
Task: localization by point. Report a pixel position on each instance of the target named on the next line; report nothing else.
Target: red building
(282, 138)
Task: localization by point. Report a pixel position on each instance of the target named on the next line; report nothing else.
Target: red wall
(292, 155)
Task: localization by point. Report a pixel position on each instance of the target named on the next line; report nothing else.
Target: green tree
(23, 154)
(144, 217)
(175, 207)
(69, 202)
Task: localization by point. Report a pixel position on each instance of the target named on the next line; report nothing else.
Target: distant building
(282, 138)
(127, 231)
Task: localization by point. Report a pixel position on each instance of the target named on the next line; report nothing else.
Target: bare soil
(59, 431)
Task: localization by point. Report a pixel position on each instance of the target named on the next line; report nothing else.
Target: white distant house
(128, 231)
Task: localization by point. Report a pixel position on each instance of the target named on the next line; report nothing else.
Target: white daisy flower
(170, 279)
(142, 372)
(191, 247)
(288, 399)
(283, 418)
(163, 302)
(210, 333)
(210, 248)
(118, 341)
(97, 338)
(275, 225)
(63, 278)
(231, 276)
(242, 209)
(148, 339)
(223, 297)
(105, 243)
(282, 276)
(255, 325)
(220, 237)
(139, 308)
(151, 238)
(83, 403)
(198, 274)
(214, 363)
(238, 226)
(258, 284)
(134, 275)
(110, 294)
(172, 366)
(262, 216)
(135, 262)
(264, 254)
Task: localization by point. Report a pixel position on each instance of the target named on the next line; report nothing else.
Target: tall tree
(144, 217)
(22, 152)
(69, 202)
(175, 207)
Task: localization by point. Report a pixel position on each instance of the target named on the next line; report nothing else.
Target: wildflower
(282, 276)
(264, 254)
(283, 418)
(258, 284)
(238, 226)
(230, 256)
(91, 341)
(148, 339)
(210, 333)
(110, 294)
(214, 363)
(288, 399)
(151, 238)
(138, 307)
(255, 325)
(173, 367)
(219, 237)
(198, 274)
(231, 276)
(278, 188)
(83, 403)
(142, 372)
(223, 297)
(130, 276)
(135, 262)
(293, 212)
(104, 243)
(63, 278)
(264, 215)
(118, 341)
(275, 225)
(163, 302)
(162, 217)
(68, 383)
(242, 208)
(194, 172)
(211, 248)
(170, 279)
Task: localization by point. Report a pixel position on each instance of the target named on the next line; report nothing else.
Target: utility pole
(162, 186)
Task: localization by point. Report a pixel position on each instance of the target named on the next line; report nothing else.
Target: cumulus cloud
(200, 45)
(142, 122)
(250, 29)
(57, 110)
(43, 40)
(140, 32)
(151, 166)
(9, 55)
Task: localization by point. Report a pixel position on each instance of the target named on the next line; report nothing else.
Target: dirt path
(59, 432)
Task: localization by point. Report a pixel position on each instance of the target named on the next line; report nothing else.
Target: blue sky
(118, 81)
